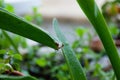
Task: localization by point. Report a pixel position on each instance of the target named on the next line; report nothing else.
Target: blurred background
(47, 64)
(66, 11)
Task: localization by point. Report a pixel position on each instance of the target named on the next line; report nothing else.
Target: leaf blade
(5, 77)
(102, 29)
(75, 68)
(17, 25)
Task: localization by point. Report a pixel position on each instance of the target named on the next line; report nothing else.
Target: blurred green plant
(36, 17)
(8, 59)
(5, 77)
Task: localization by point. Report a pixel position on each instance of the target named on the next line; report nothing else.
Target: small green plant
(36, 17)
(38, 65)
(9, 59)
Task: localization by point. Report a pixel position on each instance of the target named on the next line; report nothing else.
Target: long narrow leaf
(10, 40)
(4, 77)
(75, 68)
(17, 25)
(88, 6)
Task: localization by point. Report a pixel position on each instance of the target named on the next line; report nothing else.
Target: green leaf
(9, 8)
(75, 68)
(17, 25)
(8, 67)
(2, 3)
(3, 51)
(4, 67)
(113, 29)
(81, 31)
(102, 29)
(17, 56)
(42, 62)
(5, 77)
(10, 40)
(28, 18)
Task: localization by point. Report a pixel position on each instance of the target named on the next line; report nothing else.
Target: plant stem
(90, 8)
(10, 40)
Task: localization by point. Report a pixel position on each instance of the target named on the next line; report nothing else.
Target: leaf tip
(59, 45)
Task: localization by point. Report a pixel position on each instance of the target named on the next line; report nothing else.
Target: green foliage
(3, 77)
(4, 67)
(2, 3)
(17, 56)
(8, 59)
(9, 8)
(36, 17)
(101, 74)
(97, 20)
(113, 30)
(81, 31)
(2, 51)
(84, 35)
(49, 66)
(42, 62)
